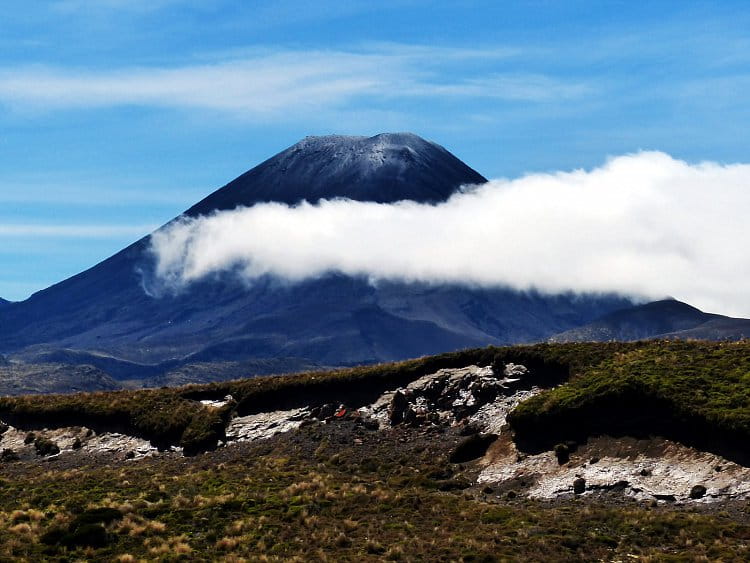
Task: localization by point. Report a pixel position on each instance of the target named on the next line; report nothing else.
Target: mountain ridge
(667, 318)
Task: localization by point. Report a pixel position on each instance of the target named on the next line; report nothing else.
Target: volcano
(104, 315)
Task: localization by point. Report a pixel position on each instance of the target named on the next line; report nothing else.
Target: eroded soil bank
(463, 410)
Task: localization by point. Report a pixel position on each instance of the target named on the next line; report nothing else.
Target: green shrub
(45, 447)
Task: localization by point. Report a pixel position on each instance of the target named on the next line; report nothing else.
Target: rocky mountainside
(660, 319)
(104, 313)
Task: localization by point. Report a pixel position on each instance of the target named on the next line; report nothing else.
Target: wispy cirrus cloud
(87, 6)
(91, 194)
(509, 87)
(284, 83)
(32, 230)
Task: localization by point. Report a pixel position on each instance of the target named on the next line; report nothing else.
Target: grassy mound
(694, 392)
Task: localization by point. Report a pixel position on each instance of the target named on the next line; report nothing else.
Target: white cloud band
(72, 231)
(643, 224)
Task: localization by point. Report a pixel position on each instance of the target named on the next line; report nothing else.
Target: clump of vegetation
(45, 446)
(472, 447)
(86, 529)
(562, 453)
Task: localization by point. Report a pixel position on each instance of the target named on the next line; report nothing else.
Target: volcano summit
(105, 317)
(385, 168)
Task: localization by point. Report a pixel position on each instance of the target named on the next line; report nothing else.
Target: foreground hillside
(545, 452)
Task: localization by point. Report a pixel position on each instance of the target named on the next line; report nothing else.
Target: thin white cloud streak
(275, 84)
(645, 224)
(88, 6)
(73, 231)
(50, 193)
(509, 87)
(262, 86)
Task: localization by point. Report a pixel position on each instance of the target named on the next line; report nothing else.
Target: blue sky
(115, 115)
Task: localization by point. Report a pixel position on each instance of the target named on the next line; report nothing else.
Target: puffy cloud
(645, 224)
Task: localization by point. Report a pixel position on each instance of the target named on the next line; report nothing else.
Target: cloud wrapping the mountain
(646, 224)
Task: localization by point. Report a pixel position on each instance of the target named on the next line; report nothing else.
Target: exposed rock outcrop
(15, 443)
(653, 469)
(472, 395)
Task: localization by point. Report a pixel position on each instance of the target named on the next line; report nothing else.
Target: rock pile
(454, 396)
(48, 443)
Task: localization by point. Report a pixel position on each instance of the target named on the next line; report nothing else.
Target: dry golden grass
(228, 543)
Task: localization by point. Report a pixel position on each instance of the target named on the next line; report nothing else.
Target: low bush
(45, 447)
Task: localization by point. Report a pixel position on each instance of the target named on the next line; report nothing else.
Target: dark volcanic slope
(333, 320)
(659, 319)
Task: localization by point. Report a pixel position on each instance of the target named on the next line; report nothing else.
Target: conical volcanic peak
(104, 315)
(384, 168)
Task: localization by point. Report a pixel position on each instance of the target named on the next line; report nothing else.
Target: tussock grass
(278, 505)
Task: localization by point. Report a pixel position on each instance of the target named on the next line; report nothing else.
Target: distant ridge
(668, 318)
